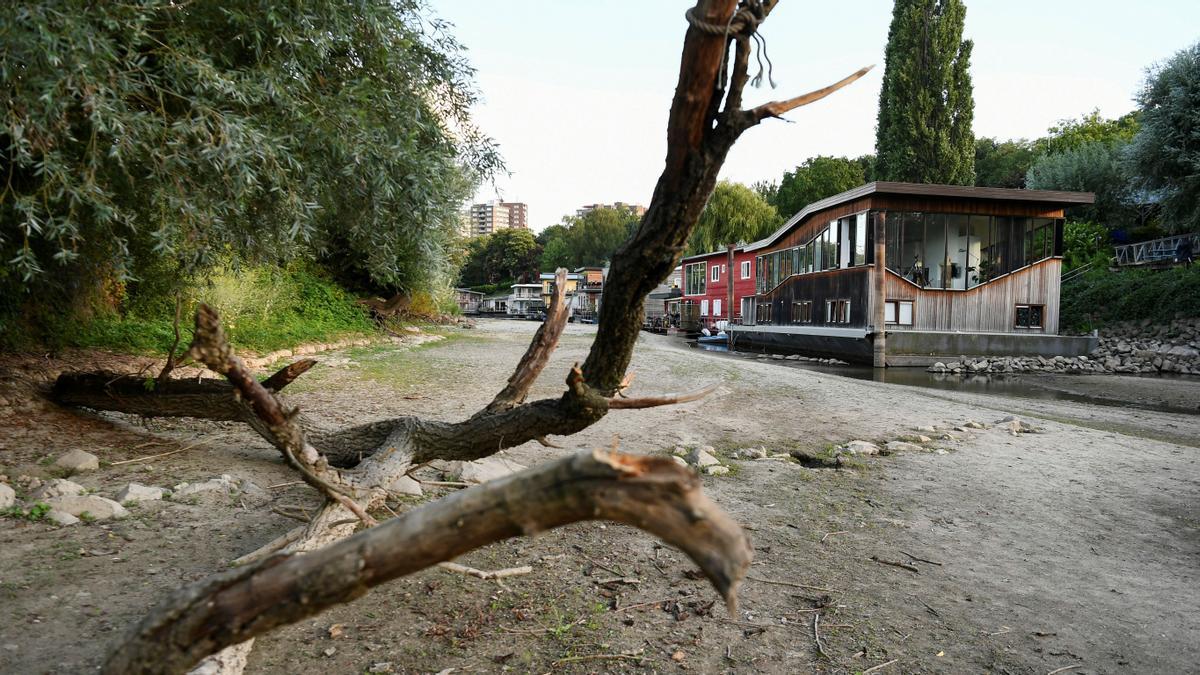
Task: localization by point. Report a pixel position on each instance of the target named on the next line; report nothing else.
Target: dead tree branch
(540, 348)
(647, 492)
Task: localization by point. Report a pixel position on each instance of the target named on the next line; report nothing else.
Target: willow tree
(926, 105)
(161, 137)
(324, 562)
(734, 213)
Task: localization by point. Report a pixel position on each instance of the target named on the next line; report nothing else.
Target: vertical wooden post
(880, 345)
(729, 311)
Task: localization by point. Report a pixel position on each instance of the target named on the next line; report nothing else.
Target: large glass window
(979, 251)
(860, 239)
(693, 279)
(954, 274)
(844, 230)
(935, 260)
(1040, 242)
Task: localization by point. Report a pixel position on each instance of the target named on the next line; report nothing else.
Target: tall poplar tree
(926, 105)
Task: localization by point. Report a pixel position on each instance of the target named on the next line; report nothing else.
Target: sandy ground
(1079, 544)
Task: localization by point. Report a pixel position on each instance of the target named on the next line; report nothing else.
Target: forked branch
(540, 348)
(664, 399)
(778, 108)
(650, 493)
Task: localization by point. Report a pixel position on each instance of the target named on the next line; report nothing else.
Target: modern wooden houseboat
(908, 274)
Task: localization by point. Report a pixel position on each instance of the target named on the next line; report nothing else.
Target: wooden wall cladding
(989, 308)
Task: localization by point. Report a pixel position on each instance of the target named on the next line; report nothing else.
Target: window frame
(688, 281)
(1041, 314)
(894, 305)
(715, 273)
(837, 311)
(745, 269)
(802, 311)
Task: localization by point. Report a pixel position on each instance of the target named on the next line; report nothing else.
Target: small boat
(708, 338)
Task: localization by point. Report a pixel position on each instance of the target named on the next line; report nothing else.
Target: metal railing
(1155, 250)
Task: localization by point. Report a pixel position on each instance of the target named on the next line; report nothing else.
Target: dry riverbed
(1077, 545)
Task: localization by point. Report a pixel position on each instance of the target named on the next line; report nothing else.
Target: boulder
(702, 457)
(861, 448)
(77, 461)
(717, 470)
(56, 487)
(8, 496)
(135, 492)
(483, 470)
(95, 506)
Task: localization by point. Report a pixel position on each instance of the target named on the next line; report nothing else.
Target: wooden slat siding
(818, 221)
(848, 284)
(989, 308)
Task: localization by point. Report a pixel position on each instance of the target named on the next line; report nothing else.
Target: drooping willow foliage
(173, 135)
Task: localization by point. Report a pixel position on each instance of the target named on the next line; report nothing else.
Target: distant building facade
(495, 215)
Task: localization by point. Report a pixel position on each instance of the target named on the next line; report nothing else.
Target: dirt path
(1076, 545)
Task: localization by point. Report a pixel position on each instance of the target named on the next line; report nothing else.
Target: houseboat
(468, 301)
(906, 274)
(525, 301)
(720, 285)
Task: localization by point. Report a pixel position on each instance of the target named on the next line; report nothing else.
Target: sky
(577, 92)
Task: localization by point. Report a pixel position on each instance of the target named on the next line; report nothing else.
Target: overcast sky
(577, 92)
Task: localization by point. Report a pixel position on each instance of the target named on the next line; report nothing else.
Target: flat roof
(926, 190)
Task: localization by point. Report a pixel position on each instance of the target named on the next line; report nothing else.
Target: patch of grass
(35, 513)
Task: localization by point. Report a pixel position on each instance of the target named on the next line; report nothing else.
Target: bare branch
(210, 347)
(288, 374)
(540, 348)
(655, 401)
(651, 493)
(777, 108)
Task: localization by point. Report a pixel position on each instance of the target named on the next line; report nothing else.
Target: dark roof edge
(925, 190)
(712, 253)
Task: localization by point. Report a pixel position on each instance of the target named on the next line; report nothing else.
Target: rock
(926, 429)
(938, 367)
(861, 448)
(1016, 426)
(915, 438)
(893, 447)
(226, 485)
(135, 492)
(406, 485)
(61, 518)
(752, 453)
(972, 424)
(777, 357)
(483, 470)
(792, 357)
(76, 461)
(979, 366)
(717, 470)
(702, 457)
(382, 667)
(679, 460)
(8, 496)
(95, 506)
(56, 487)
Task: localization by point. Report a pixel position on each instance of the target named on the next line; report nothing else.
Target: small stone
(95, 506)
(135, 492)
(381, 667)
(702, 457)
(337, 630)
(483, 470)
(330, 652)
(902, 446)
(861, 448)
(915, 438)
(226, 484)
(926, 429)
(677, 656)
(77, 460)
(57, 487)
(406, 485)
(679, 460)
(752, 453)
(971, 424)
(8, 496)
(717, 470)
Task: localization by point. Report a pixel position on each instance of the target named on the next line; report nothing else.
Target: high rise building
(496, 215)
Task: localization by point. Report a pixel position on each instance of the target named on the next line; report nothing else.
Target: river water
(1164, 393)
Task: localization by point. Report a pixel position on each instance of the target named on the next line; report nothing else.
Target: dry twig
(894, 563)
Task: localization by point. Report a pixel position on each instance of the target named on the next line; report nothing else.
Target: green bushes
(263, 309)
(1100, 297)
